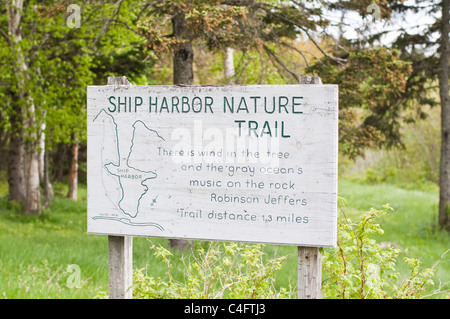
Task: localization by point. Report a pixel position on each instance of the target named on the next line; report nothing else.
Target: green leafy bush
(224, 270)
(358, 268)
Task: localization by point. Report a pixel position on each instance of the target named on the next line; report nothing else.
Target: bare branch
(272, 54)
(297, 50)
(125, 25)
(297, 24)
(333, 58)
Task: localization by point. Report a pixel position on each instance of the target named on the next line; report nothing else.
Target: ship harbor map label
(254, 163)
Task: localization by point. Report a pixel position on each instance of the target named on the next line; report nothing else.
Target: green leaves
(223, 270)
(359, 268)
(370, 88)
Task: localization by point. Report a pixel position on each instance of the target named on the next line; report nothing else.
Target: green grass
(35, 252)
(33, 249)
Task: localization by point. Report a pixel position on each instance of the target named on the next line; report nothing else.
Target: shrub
(358, 268)
(224, 270)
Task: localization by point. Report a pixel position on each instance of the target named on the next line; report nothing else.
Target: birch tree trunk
(32, 182)
(41, 155)
(444, 178)
(16, 170)
(48, 188)
(229, 65)
(16, 178)
(26, 116)
(43, 168)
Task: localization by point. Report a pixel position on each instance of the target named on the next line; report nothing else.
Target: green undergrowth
(51, 256)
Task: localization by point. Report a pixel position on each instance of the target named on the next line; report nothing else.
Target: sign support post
(120, 270)
(120, 248)
(309, 279)
(309, 273)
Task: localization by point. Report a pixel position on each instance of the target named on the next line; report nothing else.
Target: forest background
(389, 58)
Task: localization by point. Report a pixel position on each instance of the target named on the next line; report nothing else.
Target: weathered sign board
(226, 163)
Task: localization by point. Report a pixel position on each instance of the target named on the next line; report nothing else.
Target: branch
(105, 27)
(125, 25)
(297, 24)
(238, 3)
(271, 53)
(333, 58)
(5, 35)
(138, 17)
(299, 51)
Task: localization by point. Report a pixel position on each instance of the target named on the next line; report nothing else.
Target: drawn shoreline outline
(126, 220)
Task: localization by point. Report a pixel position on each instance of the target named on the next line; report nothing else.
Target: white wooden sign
(227, 163)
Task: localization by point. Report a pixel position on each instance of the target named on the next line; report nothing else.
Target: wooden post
(309, 273)
(118, 80)
(120, 270)
(120, 267)
(309, 280)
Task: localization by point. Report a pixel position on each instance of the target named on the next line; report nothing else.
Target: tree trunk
(444, 179)
(183, 55)
(32, 183)
(43, 168)
(25, 119)
(59, 159)
(16, 178)
(183, 59)
(41, 155)
(32, 140)
(229, 66)
(73, 173)
(48, 188)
